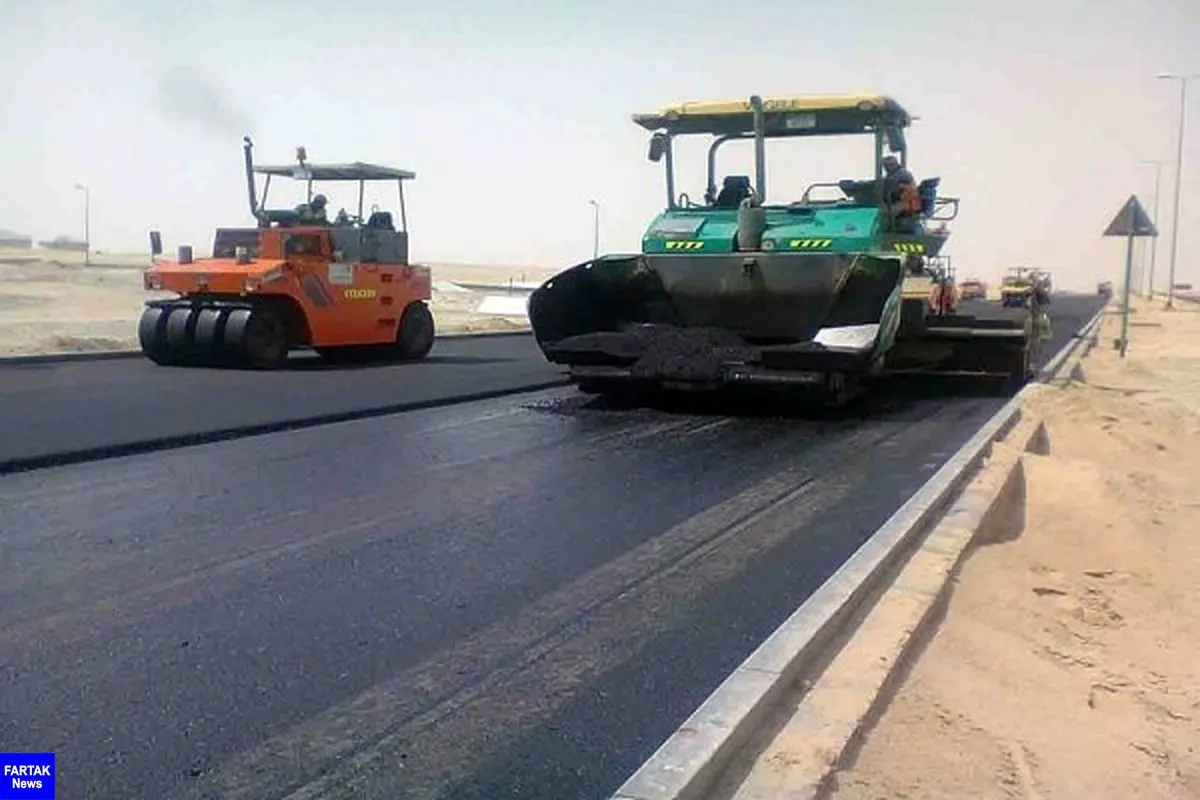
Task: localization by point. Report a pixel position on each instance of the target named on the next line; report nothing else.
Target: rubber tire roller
(208, 334)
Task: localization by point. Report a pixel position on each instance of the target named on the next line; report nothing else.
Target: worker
(313, 212)
(901, 195)
(734, 189)
(1039, 301)
(895, 177)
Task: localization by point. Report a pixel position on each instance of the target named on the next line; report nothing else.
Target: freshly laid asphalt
(54, 413)
(519, 597)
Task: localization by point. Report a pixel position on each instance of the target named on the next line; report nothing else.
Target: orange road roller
(297, 280)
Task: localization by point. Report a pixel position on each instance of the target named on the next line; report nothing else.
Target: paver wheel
(1020, 370)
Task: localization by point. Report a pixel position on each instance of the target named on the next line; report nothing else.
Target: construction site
(795, 452)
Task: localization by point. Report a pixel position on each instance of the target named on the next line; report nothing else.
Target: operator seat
(927, 190)
(734, 189)
(381, 220)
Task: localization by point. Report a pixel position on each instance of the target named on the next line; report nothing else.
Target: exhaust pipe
(251, 191)
(760, 148)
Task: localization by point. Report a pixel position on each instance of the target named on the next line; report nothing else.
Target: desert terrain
(50, 302)
(1068, 663)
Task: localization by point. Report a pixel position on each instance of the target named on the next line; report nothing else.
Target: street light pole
(87, 223)
(1157, 222)
(1183, 82)
(595, 229)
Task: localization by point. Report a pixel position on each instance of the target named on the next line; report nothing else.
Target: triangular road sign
(1131, 220)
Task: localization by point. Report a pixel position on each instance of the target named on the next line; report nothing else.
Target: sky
(513, 115)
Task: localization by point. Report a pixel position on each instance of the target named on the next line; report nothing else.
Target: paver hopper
(817, 294)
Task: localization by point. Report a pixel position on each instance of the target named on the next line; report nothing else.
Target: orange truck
(343, 288)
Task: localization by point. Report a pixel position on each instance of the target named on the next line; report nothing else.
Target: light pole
(87, 223)
(595, 229)
(1157, 223)
(1183, 82)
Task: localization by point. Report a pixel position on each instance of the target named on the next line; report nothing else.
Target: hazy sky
(514, 114)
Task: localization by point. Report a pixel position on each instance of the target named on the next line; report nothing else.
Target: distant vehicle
(972, 289)
(1016, 288)
(1104, 288)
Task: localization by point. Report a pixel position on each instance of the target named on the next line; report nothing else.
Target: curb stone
(825, 726)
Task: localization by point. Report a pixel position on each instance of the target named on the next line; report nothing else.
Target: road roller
(296, 280)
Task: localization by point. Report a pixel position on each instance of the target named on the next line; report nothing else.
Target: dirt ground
(50, 302)
(1068, 665)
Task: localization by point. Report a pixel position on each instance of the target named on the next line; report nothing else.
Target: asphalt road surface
(518, 597)
(70, 411)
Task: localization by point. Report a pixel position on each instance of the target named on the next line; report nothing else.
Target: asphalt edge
(692, 761)
(67, 357)
(799, 753)
(91, 454)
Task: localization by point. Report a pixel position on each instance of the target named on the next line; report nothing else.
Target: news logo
(26, 776)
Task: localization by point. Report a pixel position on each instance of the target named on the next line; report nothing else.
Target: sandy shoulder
(52, 303)
(1068, 665)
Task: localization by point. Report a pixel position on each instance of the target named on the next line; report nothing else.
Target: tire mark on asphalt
(52, 482)
(438, 717)
(113, 604)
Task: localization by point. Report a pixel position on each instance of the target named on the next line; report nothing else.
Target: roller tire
(416, 333)
(152, 338)
(186, 335)
(260, 339)
(208, 331)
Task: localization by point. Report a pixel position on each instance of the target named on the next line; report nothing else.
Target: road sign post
(1131, 222)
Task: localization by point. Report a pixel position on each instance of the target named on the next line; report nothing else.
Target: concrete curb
(109, 355)
(692, 761)
(824, 728)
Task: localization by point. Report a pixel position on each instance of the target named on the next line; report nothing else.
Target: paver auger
(815, 294)
(344, 289)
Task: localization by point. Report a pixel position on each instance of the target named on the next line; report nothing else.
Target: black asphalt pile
(605, 345)
(690, 354)
(663, 352)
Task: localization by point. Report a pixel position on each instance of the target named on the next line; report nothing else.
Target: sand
(51, 302)
(1068, 664)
